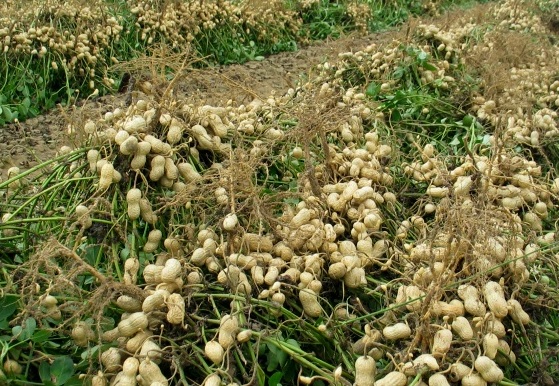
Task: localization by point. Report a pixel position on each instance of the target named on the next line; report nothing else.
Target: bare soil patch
(27, 143)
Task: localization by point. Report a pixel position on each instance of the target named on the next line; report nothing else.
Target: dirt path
(25, 144)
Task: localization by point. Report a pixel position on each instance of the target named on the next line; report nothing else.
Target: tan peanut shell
(152, 274)
(188, 172)
(111, 359)
(355, 278)
(426, 360)
(134, 323)
(495, 299)
(365, 371)
(214, 351)
(438, 379)
(149, 373)
(396, 331)
(470, 295)
(135, 343)
(244, 336)
(99, 379)
(488, 369)
(133, 198)
(441, 342)
(155, 301)
(228, 328)
(505, 356)
(490, 345)
(110, 335)
(517, 313)
(128, 303)
(157, 167)
(106, 177)
(146, 211)
(458, 370)
(309, 301)
(171, 170)
(127, 377)
(473, 379)
(453, 308)
(174, 133)
(151, 350)
(171, 271)
(394, 378)
(177, 307)
(154, 237)
(82, 334)
(212, 380)
(129, 145)
(462, 327)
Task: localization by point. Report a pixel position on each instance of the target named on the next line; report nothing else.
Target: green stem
(300, 356)
(40, 166)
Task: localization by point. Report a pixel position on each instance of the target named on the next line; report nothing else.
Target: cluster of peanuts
(517, 15)
(180, 23)
(530, 80)
(341, 241)
(75, 38)
(336, 234)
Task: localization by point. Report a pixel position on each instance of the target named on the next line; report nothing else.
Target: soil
(26, 144)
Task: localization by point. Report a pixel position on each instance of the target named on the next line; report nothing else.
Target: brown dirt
(27, 143)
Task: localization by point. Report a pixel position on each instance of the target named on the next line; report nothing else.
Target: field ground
(39, 138)
(376, 209)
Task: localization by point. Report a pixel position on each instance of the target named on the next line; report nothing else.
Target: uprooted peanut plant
(390, 221)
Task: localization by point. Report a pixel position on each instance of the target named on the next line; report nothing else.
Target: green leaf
(89, 353)
(422, 55)
(275, 379)
(25, 331)
(41, 336)
(428, 66)
(74, 381)
(260, 374)
(91, 253)
(7, 113)
(468, 120)
(125, 253)
(29, 327)
(61, 370)
(273, 357)
(373, 90)
(282, 358)
(7, 303)
(44, 373)
(399, 73)
(455, 141)
(16, 331)
(293, 342)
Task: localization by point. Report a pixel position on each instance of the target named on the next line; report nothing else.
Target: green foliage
(326, 19)
(59, 372)
(390, 13)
